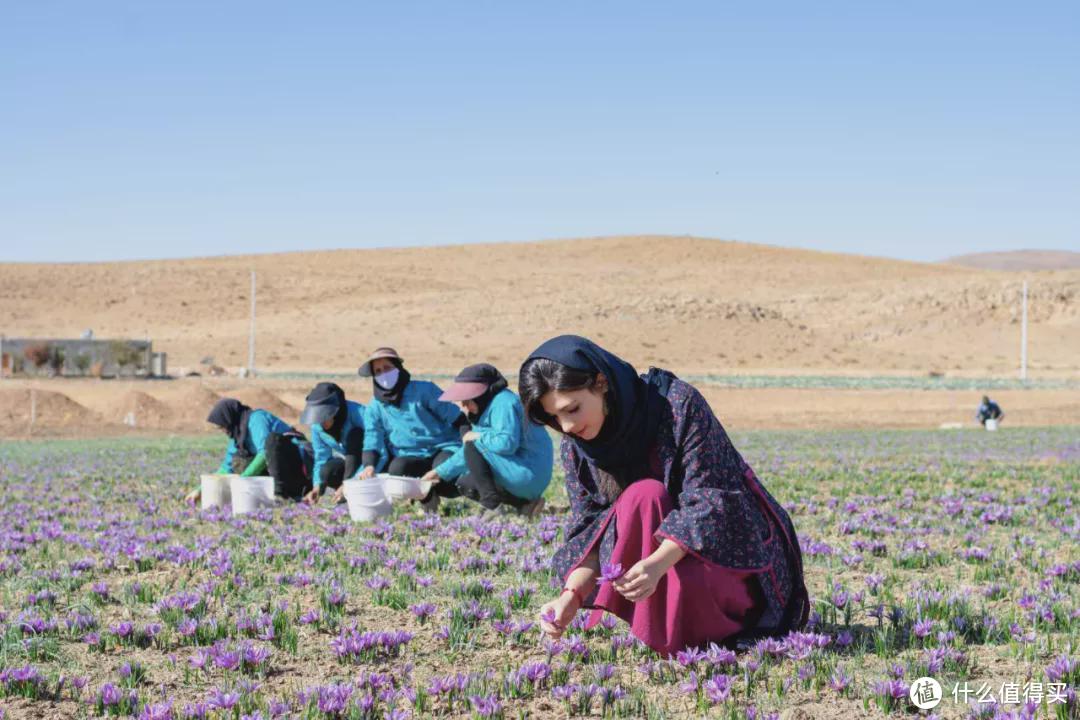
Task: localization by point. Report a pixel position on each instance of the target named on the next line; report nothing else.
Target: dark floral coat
(722, 513)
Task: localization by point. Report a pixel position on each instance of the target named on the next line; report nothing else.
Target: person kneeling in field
(505, 460)
(670, 529)
(337, 437)
(407, 429)
(261, 444)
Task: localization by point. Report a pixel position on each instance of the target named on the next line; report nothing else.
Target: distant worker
(989, 411)
(262, 444)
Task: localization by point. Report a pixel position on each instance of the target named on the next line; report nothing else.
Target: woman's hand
(194, 496)
(640, 581)
(312, 498)
(339, 495)
(367, 473)
(470, 436)
(556, 615)
(432, 476)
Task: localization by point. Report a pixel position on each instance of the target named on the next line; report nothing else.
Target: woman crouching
(670, 529)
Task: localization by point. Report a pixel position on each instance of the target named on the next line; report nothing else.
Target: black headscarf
(634, 402)
(232, 415)
(490, 376)
(393, 395)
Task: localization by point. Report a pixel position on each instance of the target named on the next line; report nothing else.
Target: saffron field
(953, 555)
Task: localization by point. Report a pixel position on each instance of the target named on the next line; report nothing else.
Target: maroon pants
(695, 603)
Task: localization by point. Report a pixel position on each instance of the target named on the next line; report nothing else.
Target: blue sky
(915, 130)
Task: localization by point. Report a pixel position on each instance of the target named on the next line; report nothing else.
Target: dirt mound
(46, 409)
(262, 399)
(190, 403)
(139, 410)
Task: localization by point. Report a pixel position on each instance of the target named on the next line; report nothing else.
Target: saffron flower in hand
(610, 572)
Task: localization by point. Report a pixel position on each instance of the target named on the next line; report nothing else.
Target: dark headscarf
(321, 394)
(393, 395)
(489, 375)
(634, 403)
(232, 415)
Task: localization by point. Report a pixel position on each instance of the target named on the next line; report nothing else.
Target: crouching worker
(407, 429)
(505, 460)
(261, 444)
(989, 410)
(337, 437)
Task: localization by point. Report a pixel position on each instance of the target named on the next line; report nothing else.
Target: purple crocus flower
(610, 572)
(109, 695)
(718, 688)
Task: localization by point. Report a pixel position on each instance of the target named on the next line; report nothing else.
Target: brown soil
(136, 408)
(47, 409)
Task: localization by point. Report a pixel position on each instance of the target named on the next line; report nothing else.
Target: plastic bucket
(251, 493)
(366, 500)
(399, 487)
(991, 424)
(216, 490)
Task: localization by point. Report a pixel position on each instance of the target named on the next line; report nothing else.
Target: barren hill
(691, 304)
(1020, 260)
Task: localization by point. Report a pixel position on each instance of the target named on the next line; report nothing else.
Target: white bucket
(215, 490)
(366, 500)
(991, 424)
(399, 487)
(251, 493)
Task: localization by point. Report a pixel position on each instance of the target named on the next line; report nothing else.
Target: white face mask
(388, 379)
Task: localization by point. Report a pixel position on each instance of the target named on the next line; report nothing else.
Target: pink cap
(460, 391)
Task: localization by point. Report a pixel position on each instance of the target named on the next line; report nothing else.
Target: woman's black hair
(540, 376)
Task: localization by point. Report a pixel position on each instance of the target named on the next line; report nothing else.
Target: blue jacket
(420, 426)
(518, 451)
(323, 444)
(260, 424)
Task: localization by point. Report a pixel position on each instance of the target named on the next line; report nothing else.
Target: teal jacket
(323, 444)
(420, 426)
(260, 424)
(518, 451)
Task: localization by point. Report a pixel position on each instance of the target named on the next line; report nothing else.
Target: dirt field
(88, 408)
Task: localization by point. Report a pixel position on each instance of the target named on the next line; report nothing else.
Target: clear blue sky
(906, 129)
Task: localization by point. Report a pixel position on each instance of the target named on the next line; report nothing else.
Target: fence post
(1023, 337)
(251, 337)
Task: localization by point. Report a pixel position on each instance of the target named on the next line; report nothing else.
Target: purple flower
(609, 572)
(223, 700)
(485, 706)
(718, 688)
(839, 680)
(157, 711)
(422, 611)
(122, 630)
(109, 695)
(690, 686)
